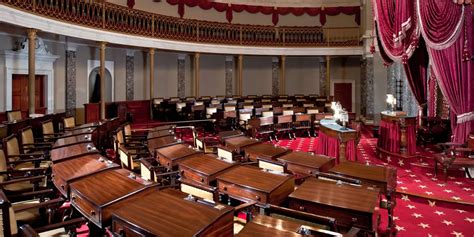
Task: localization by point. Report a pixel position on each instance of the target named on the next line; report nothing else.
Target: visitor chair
(69, 122)
(303, 123)
(14, 115)
(284, 125)
(17, 218)
(18, 160)
(151, 170)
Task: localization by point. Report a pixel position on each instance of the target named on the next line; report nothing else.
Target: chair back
(285, 118)
(228, 108)
(287, 105)
(14, 115)
(190, 98)
(205, 97)
(7, 215)
(27, 139)
(282, 100)
(248, 106)
(306, 105)
(266, 121)
(266, 100)
(3, 166)
(48, 129)
(244, 116)
(225, 155)
(252, 96)
(69, 122)
(211, 111)
(267, 106)
(277, 110)
(11, 145)
(127, 129)
(288, 112)
(125, 158)
(180, 106)
(267, 114)
(157, 101)
(174, 99)
(312, 111)
(198, 102)
(470, 141)
(302, 117)
(215, 102)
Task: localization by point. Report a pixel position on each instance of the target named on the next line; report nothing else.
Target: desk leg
(403, 139)
(342, 152)
(390, 206)
(95, 230)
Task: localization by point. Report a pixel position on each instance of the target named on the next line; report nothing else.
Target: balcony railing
(111, 17)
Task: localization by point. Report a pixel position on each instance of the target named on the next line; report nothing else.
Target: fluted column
(102, 79)
(238, 72)
(282, 74)
(152, 72)
(196, 59)
(31, 70)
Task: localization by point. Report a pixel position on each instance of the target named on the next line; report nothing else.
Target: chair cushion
(29, 215)
(60, 232)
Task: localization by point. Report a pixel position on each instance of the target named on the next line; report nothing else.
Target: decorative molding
(24, 19)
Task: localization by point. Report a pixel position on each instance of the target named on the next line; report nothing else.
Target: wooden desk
(203, 168)
(382, 177)
(335, 141)
(251, 184)
(97, 196)
(352, 206)
(162, 213)
(397, 133)
(158, 142)
(86, 125)
(67, 141)
(264, 151)
(238, 143)
(169, 156)
(266, 226)
(303, 163)
(76, 132)
(72, 151)
(66, 172)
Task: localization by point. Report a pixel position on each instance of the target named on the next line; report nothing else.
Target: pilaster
(71, 58)
(129, 72)
(181, 76)
(229, 75)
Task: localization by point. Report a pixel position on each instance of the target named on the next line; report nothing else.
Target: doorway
(344, 93)
(20, 93)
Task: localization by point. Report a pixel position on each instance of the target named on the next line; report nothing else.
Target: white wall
(257, 75)
(212, 75)
(302, 75)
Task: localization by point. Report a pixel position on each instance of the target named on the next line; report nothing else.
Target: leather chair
(18, 160)
(69, 122)
(303, 123)
(30, 144)
(49, 135)
(14, 115)
(284, 125)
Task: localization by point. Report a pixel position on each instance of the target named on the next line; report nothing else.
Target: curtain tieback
(466, 117)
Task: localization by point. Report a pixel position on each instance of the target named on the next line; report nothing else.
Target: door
(20, 93)
(343, 94)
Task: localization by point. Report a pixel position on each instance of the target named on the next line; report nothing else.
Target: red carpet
(422, 215)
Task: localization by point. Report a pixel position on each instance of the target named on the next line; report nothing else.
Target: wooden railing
(111, 17)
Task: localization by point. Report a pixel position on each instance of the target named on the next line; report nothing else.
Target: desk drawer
(61, 185)
(195, 176)
(242, 192)
(89, 210)
(299, 169)
(122, 229)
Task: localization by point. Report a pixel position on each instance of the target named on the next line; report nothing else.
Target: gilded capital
(32, 33)
(152, 51)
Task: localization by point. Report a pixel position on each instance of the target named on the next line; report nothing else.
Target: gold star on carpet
(457, 234)
(448, 223)
(424, 226)
(405, 198)
(439, 213)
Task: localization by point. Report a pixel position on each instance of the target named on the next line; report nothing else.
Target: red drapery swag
(274, 11)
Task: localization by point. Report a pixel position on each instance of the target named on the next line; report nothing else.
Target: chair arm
(75, 221)
(19, 180)
(13, 171)
(25, 161)
(38, 143)
(32, 194)
(33, 147)
(352, 232)
(26, 155)
(38, 205)
(244, 206)
(28, 231)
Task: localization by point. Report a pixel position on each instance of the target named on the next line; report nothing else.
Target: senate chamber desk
(351, 206)
(169, 156)
(68, 152)
(306, 164)
(264, 151)
(397, 134)
(337, 141)
(236, 144)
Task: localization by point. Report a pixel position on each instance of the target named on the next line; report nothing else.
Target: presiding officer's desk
(246, 184)
(397, 134)
(337, 141)
(167, 213)
(351, 206)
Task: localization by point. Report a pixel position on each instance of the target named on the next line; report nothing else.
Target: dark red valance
(274, 11)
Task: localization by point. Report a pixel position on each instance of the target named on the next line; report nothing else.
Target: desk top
(174, 152)
(305, 159)
(87, 125)
(368, 172)
(67, 152)
(265, 150)
(239, 142)
(157, 142)
(108, 186)
(331, 124)
(205, 164)
(162, 213)
(338, 195)
(254, 178)
(66, 141)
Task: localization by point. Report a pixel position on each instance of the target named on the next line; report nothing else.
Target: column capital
(71, 47)
(151, 51)
(282, 57)
(197, 55)
(130, 52)
(229, 58)
(102, 44)
(31, 33)
(240, 57)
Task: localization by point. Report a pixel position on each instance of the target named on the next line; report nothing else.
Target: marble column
(363, 86)
(409, 103)
(282, 75)
(181, 76)
(129, 72)
(102, 79)
(71, 58)
(322, 76)
(369, 88)
(328, 75)
(275, 76)
(229, 75)
(31, 70)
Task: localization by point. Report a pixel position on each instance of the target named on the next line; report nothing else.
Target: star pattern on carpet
(399, 228)
(429, 193)
(456, 198)
(466, 189)
(457, 234)
(439, 213)
(405, 198)
(422, 186)
(416, 215)
(417, 180)
(423, 225)
(448, 223)
(460, 211)
(411, 206)
(470, 220)
(400, 162)
(432, 203)
(448, 191)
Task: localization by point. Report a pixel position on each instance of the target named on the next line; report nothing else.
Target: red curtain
(275, 12)
(329, 146)
(433, 94)
(447, 28)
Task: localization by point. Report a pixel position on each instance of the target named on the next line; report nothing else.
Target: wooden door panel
(343, 94)
(20, 92)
